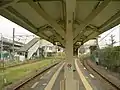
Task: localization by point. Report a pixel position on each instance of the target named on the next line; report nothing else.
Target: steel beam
(16, 17)
(110, 23)
(59, 38)
(115, 18)
(59, 0)
(113, 21)
(42, 28)
(94, 30)
(52, 22)
(90, 17)
(6, 3)
(63, 11)
(38, 0)
(89, 26)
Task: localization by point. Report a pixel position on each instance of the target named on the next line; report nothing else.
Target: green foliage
(16, 73)
(110, 57)
(84, 56)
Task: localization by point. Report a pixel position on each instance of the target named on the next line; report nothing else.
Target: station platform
(78, 77)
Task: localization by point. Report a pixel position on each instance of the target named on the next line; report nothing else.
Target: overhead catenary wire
(106, 35)
(22, 38)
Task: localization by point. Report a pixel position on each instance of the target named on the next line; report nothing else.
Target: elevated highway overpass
(69, 22)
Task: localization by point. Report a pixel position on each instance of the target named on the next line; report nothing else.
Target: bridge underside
(52, 19)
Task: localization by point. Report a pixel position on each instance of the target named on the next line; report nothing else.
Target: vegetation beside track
(13, 74)
(109, 57)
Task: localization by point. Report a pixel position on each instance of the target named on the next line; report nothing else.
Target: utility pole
(56, 50)
(98, 50)
(13, 42)
(112, 40)
(2, 59)
(106, 42)
(97, 43)
(119, 35)
(2, 52)
(1, 47)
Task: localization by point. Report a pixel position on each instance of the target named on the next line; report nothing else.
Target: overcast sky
(115, 32)
(6, 28)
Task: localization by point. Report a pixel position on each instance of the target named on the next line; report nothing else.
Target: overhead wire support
(13, 42)
(119, 35)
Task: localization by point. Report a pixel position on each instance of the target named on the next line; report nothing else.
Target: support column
(70, 83)
(69, 43)
(70, 16)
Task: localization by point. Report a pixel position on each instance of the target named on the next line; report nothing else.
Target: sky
(104, 39)
(115, 31)
(6, 28)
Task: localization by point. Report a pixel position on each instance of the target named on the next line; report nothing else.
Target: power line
(112, 40)
(22, 37)
(106, 35)
(117, 42)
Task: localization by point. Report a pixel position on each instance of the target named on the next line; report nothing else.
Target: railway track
(100, 75)
(24, 81)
